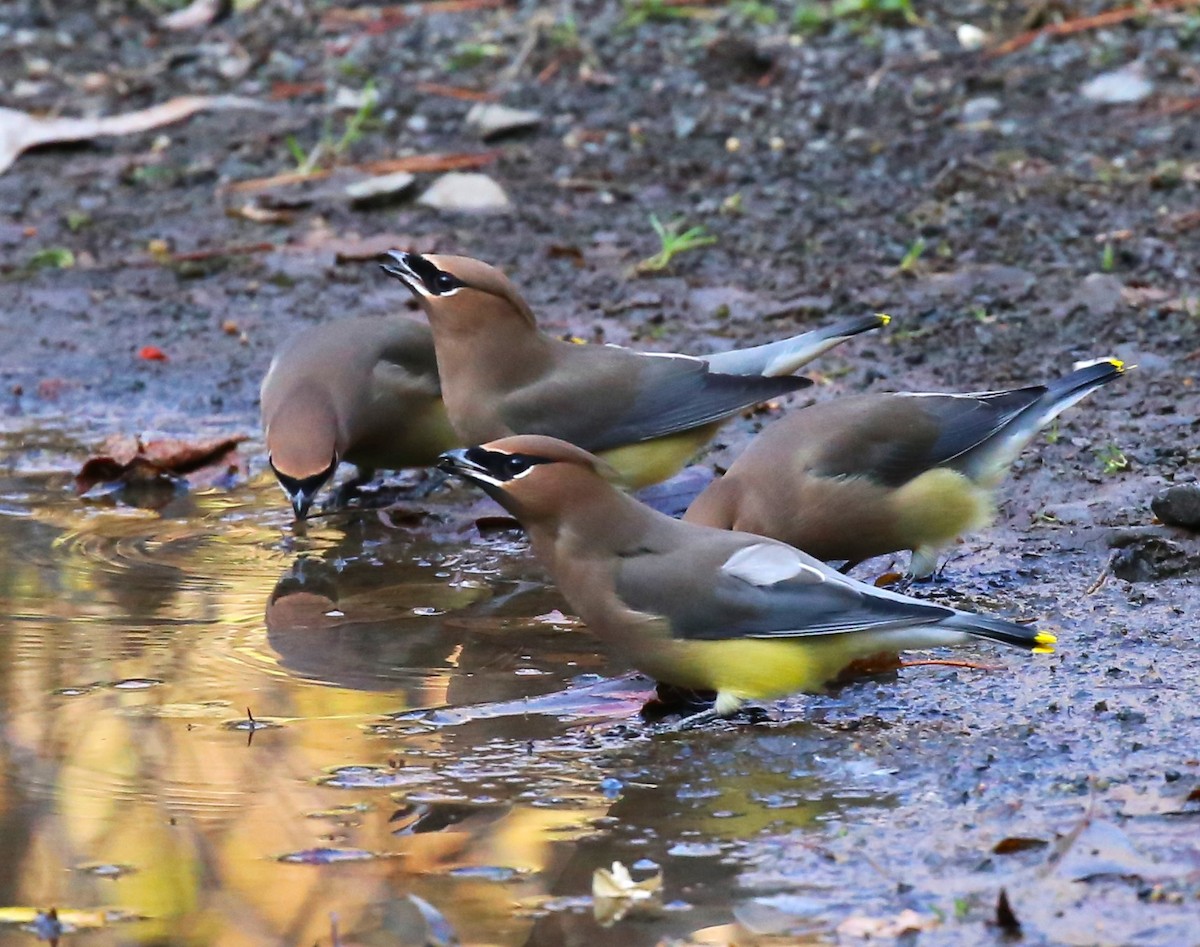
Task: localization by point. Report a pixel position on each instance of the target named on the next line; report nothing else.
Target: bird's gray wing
(761, 590)
(898, 437)
(601, 397)
(408, 360)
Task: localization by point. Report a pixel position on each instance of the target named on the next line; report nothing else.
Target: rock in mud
(1121, 86)
(491, 121)
(380, 189)
(1179, 506)
(1150, 558)
(459, 191)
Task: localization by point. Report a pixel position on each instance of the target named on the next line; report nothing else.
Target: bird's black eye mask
(490, 466)
(504, 467)
(304, 485)
(419, 274)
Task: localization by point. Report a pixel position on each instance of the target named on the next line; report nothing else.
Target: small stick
(1084, 23)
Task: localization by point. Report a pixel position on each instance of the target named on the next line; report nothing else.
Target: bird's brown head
(457, 292)
(302, 447)
(534, 477)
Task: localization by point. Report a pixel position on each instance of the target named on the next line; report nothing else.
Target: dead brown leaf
(126, 458)
(1006, 917)
(1018, 843)
(414, 164)
(20, 131)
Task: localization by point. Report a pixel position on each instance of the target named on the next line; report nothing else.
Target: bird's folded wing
(764, 590)
(406, 379)
(409, 362)
(909, 434)
(678, 393)
(600, 397)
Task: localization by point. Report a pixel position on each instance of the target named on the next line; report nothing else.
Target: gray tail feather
(1065, 392)
(998, 452)
(789, 355)
(1025, 637)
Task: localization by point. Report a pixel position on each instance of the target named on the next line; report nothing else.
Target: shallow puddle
(219, 729)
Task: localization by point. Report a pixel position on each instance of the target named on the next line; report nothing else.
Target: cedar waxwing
(645, 414)
(703, 608)
(364, 391)
(863, 476)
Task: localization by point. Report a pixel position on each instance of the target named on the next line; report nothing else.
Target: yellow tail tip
(1044, 643)
(883, 318)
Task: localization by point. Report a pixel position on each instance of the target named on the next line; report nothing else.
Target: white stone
(491, 120)
(1121, 86)
(465, 191)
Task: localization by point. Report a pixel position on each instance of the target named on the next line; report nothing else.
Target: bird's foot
(756, 715)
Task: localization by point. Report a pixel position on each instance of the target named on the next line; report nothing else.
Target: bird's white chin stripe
(478, 477)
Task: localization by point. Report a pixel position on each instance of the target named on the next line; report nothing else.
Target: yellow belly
(650, 462)
(939, 506)
(756, 668)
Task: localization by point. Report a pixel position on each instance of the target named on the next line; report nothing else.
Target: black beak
(459, 463)
(396, 263)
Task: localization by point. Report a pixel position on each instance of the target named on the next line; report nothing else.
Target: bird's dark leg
(350, 489)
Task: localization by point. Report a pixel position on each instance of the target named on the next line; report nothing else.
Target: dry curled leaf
(20, 131)
(1018, 843)
(1006, 917)
(126, 459)
(615, 892)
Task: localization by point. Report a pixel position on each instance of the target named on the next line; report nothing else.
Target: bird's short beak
(301, 501)
(396, 263)
(458, 463)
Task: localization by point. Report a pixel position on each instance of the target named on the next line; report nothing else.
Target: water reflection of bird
(396, 625)
(708, 609)
(645, 414)
(361, 391)
(864, 476)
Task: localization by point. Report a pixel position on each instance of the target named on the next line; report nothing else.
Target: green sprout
(639, 12)
(52, 258)
(754, 11)
(1112, 458)
(1108, 257)
(330, 149)
(470, 55)
(813, 15)
(673, 240)
(908, 262)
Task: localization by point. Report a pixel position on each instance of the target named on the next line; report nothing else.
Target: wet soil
(1053, 227)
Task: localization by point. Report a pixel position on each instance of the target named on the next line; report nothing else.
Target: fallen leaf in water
(20, 131)
(906, 922)
(615, 892)
(126, 459)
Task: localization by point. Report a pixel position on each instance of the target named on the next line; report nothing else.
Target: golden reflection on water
(135, 644)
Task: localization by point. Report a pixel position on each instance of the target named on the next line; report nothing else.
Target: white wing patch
(768, 563)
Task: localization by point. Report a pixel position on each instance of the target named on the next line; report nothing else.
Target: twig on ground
(1085, 23)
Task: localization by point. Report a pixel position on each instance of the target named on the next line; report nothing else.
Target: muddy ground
(1010, 223)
